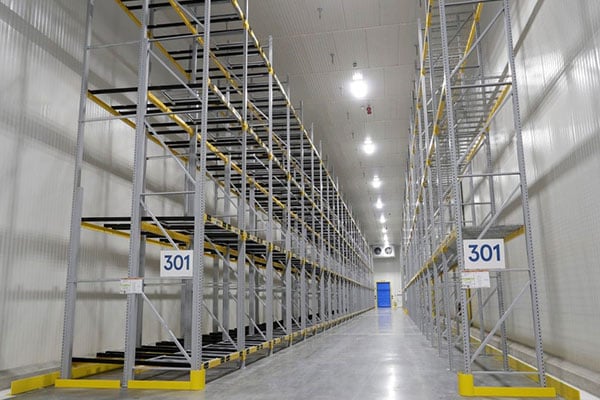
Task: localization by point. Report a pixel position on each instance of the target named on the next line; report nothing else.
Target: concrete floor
(378, 355)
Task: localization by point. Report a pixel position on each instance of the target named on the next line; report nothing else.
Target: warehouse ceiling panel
(317, 43)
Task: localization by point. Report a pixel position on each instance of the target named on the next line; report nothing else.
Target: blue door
(383, 295)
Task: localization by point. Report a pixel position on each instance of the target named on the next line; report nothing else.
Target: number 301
(484, 253)
(177, 262)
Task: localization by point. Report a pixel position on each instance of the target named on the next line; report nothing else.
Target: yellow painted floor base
(467, 388)
(196, 382)
(41, 381)
(88, 383)
(562, 388)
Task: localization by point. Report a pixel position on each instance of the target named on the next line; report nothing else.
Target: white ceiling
(380, 36)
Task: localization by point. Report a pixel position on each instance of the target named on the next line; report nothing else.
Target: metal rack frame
(285, 246)
(458, 188)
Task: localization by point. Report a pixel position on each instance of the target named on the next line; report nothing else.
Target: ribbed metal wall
(40, 65)
(39, 84)
(558, 60)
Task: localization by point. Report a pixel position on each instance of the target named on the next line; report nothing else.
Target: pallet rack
(466, 180)
(249, 190)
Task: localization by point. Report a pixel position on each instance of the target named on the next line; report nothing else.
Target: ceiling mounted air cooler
(383, 251)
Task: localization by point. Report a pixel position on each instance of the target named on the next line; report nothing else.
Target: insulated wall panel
(558, 60)
(37, 139)
(41, 45)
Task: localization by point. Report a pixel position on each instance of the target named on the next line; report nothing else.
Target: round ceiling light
(376, 182)
(368, 146)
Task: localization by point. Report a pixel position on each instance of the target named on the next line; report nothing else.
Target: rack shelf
(458, 188)
(248, 189)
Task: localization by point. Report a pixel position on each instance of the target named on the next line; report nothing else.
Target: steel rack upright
(248, 193)
(466, 180)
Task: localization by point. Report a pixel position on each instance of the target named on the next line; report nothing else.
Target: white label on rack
(475, 280)
(132, 286)
(484, 254)
(176, 263)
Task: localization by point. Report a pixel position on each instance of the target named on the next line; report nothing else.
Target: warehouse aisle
(378, 355)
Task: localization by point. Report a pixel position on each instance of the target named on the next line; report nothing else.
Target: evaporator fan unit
(381, 251)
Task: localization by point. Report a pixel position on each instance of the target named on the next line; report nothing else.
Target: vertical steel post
(200, 204)
(139, 161)
(241, 211)
(226, 292)
(303, 239)
(535, 308)
(288, 235)
(215, 277)
(252, 314)
(227, 262)
(187, 288)
(322, 238)
(215, 293)
(142, 272)
(270, 238)
(313, 245)
(330, 260)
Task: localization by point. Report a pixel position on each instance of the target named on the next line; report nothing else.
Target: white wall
(388, 270)
(40, 65)
(558, 71)
(39, 84)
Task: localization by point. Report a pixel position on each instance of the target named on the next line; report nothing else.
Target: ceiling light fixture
(376, 182)
(358, 86)
(384, 229)
(382, 219)
(379, 204)
(368, 146)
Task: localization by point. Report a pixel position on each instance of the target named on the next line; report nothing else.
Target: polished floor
(378, 355)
